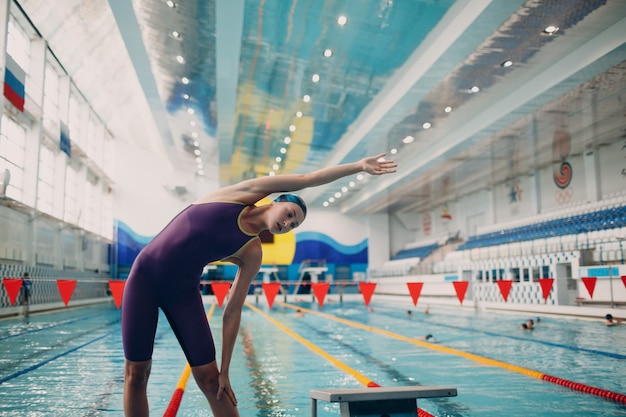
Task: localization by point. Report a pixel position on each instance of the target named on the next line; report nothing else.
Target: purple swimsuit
(166, 274)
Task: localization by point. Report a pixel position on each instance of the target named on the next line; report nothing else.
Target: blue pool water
(70, 362)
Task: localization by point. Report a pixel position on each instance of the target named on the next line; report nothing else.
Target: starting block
(378, 402)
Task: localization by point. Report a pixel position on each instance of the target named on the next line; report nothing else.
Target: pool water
(70, 362)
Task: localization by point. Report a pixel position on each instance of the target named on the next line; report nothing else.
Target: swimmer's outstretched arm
(253, 190)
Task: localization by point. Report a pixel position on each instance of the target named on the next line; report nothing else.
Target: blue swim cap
(291, 198)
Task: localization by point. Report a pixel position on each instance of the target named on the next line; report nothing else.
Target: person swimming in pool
(611, 321)
(223, 225)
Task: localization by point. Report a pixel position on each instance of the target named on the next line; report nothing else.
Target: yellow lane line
(471, 356)
(356, 374)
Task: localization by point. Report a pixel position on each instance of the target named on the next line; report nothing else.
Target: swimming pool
(70, 362)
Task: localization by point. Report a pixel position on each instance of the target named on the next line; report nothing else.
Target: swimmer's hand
(225, 389)
(378, 165)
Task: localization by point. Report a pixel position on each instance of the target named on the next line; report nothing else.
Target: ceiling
(231, 79)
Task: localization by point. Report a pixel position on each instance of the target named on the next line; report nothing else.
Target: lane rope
(576, 386)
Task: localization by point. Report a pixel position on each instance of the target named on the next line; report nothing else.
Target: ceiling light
(198, 160)
(275, 167)
(185, 80)
(448, 109)
(360, 177)
(272, 173)
(315, 78)
(507, 63)
(180, 59)
(474, 89)
(306, 98)
(201, 172)
(337, 194)
(170, 3)
(278, 159)
(426, 125)
(328, 53)
(287, 140)
(192, 123)
(186, 96)
(190, 111)
(196, 152)
(342, 20)
(331, 200)
(344, 189)
(298, 114)
(325, 203)
(393, 151)
(196, 143)
(292, 128)
(408, 139)
(283, 150)
(176, 35)
(551, 29)
(352, 183)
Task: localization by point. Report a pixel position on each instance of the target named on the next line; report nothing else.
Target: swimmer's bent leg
(140, 315)
(185, 312)
(135, 383)
(207, 378)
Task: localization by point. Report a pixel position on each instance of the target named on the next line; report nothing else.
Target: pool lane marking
(61, 323)
(347, 369)
(599, 392)
(179, 391)
(543, 342)
(356, 374)
(42, 363)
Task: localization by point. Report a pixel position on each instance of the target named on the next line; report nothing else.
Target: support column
(378, 248)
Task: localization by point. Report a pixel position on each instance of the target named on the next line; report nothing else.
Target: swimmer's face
(285, 217)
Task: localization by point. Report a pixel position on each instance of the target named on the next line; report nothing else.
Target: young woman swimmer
(223, 225)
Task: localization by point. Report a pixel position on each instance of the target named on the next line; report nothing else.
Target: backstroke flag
(14, 81)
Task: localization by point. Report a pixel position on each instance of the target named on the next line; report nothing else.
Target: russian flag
(14, 80)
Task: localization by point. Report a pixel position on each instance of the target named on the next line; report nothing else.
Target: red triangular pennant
(271, 289)
(624, 280)
(460, 287)
(546, 287)
(590, 284)
(12, 286)
(117, 290)
(415, 288)
(66, 288)
(505, 288)
(367, 289)
(220, 289)
(320, 289)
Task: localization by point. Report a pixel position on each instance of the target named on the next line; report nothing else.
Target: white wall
(143, 196)
(539, 194)
(347, 230)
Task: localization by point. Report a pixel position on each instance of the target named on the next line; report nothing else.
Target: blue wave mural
(309, 245)
(314, 245)
(129, 244)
